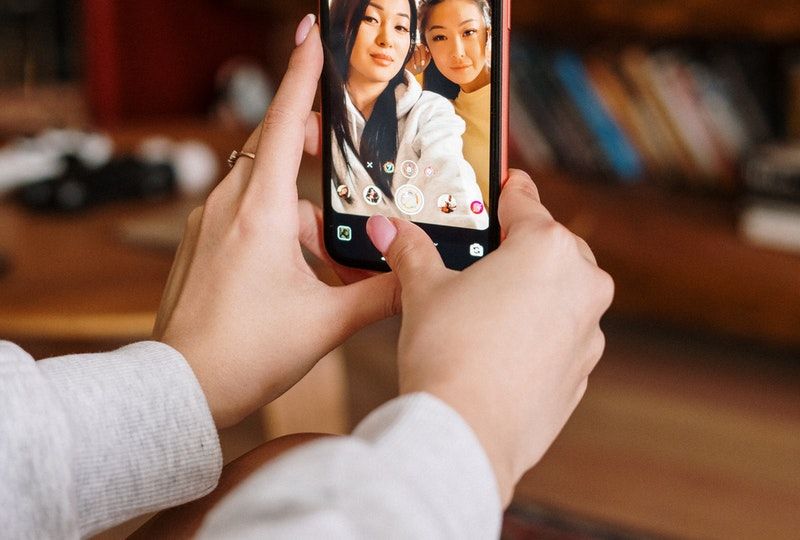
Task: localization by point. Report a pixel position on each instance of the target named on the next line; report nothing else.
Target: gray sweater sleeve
(88, 441)
(412, 469)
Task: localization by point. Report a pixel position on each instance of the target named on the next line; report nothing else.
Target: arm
(413, 467)
(88, 441)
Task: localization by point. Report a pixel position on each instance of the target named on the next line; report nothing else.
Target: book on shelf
(627, 111)
(635, 68)
(554, 112)
(716, 103)
(619, 152)
(752, 89)
(669, 115)
(676, 88)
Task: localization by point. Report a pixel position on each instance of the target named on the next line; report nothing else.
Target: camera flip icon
(476, 250)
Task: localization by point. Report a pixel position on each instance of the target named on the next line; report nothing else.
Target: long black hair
(433, 79)
(379, 140)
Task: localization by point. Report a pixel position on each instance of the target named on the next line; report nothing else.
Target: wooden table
(72, 278)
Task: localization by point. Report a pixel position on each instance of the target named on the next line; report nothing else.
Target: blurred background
(665, 133)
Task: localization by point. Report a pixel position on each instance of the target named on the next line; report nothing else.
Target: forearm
(130, 433)
(413, 467)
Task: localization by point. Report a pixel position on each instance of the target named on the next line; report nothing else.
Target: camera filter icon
(344, 233)
(409, 169)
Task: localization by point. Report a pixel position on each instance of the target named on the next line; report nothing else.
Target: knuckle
(606, 288)
(525, 187)
(593, 353)
(581, 390)
(561, 234)
(598, 347)
(246, 226)
(308, 230)
(395, 304)
(281, 116)
(559, 238)
(195, 218)
(586, 250)
(536, 237)
(403, 253)
(305, 206)
(214, 199)
(294, 62)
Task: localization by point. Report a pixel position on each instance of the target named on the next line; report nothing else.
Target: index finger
(280, 147)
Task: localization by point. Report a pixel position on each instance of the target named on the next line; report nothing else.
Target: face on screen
(411, 145)
(457, 36)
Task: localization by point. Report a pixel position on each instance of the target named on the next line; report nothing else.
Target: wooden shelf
(774, 20)
(679, 259)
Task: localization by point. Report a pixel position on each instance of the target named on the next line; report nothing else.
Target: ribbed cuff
(143, 434)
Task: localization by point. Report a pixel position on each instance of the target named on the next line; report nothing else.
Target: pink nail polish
(304, 28)
(382, 232)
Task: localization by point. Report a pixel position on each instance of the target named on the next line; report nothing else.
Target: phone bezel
(501, 17)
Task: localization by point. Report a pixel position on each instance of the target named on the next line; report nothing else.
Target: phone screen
(412, 123)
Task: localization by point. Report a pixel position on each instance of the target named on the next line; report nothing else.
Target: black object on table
(79, 187)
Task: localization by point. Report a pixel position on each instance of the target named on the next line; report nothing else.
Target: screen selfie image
(409, 109)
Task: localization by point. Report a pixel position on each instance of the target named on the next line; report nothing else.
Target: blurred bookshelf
(637, 120)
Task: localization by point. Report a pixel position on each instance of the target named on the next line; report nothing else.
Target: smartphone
(415, 123)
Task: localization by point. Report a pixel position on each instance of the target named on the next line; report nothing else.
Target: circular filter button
(409, 199)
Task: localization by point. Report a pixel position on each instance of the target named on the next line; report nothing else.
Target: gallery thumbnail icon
(344, 233)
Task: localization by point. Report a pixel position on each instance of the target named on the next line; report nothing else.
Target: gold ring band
(236, 154)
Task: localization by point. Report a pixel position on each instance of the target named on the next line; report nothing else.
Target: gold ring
(236, 154)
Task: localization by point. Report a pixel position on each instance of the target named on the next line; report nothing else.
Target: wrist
(220, 408)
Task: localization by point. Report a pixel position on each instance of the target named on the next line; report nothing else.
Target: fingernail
(304, 28)
(382, 232)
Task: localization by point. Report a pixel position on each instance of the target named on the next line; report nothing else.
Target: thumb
(408, 250)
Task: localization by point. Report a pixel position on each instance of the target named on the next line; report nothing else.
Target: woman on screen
(396, 149)
(456, 34)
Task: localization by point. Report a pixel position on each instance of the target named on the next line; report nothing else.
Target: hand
(419, 60)
(509, 343)
(241, 303)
